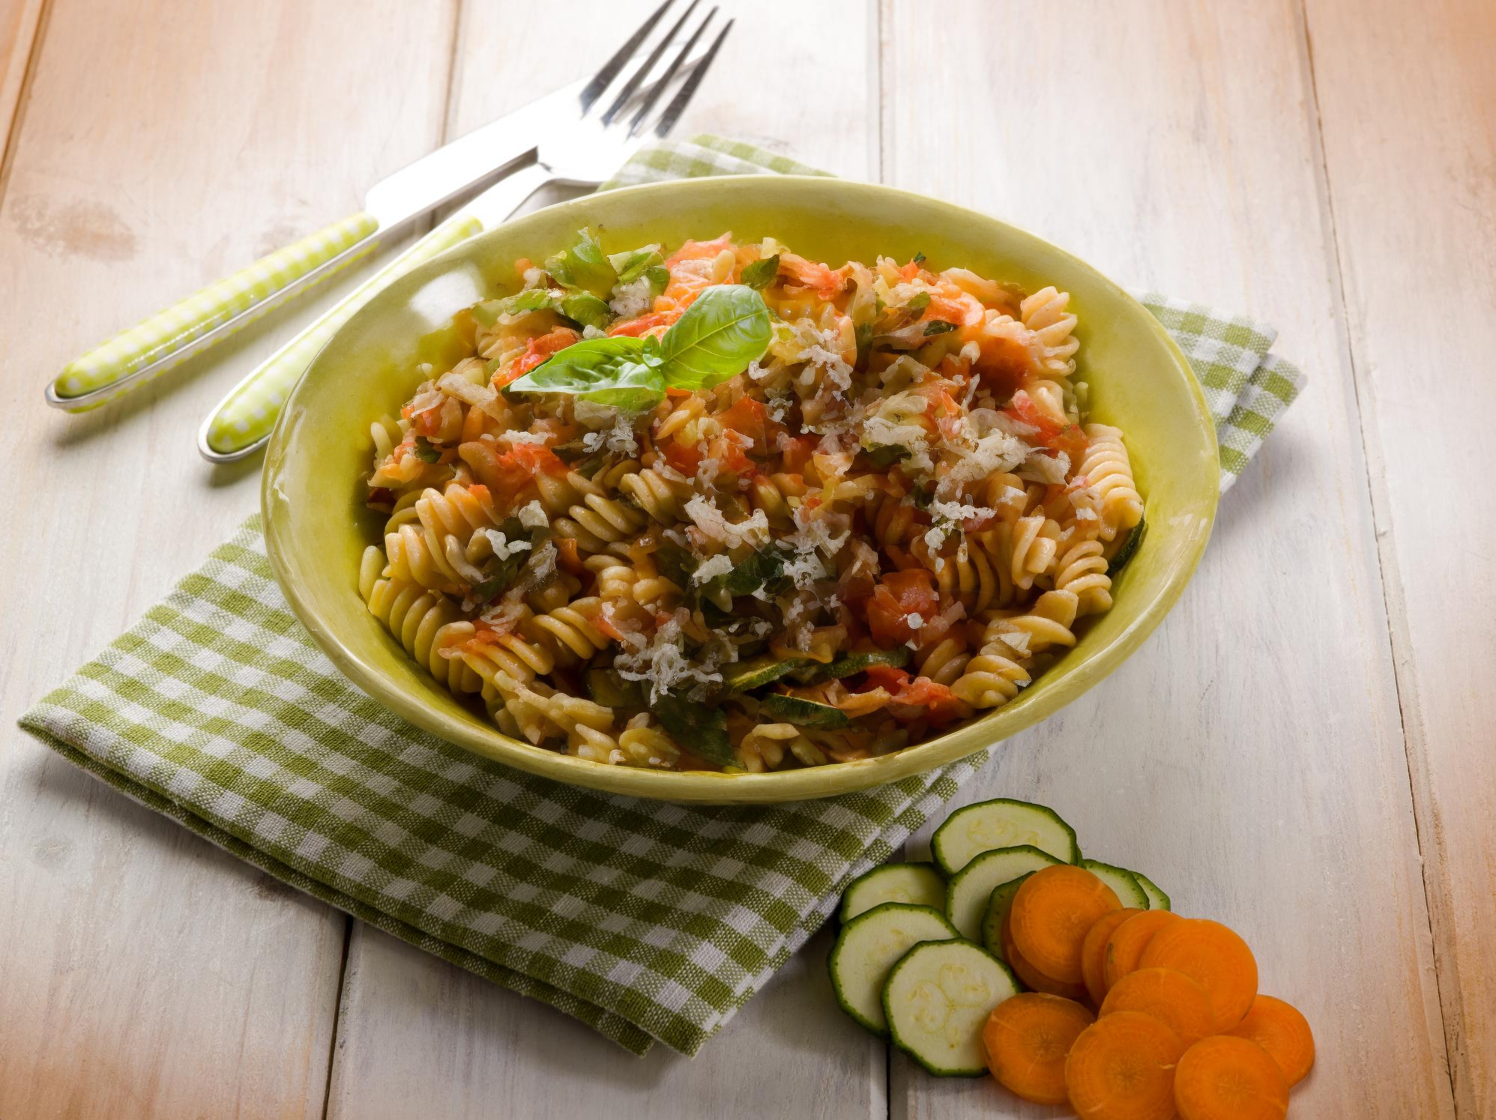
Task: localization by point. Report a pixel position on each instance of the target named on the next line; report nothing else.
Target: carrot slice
(1229, 1078)
(1215, 956)
(1027, 1038)
(1093, 951)
(1122, 1068)
(1281, 1030)
(1125, 946)
(1030, 976)
(1051, 914)
(1170, 997)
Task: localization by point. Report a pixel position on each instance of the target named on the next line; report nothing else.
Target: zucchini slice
(1001, 823)
(856, 663)
(612, 691)
(869, 945)
(971, 888)
(937, 1000)
(917, 883)
(1128, 548)
(803, 713)
(1124, 883)
(760, 671)
(1157, 900)
(998, 906)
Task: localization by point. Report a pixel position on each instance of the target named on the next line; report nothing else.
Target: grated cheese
(533, 516)
(502, 546)
(712, 567)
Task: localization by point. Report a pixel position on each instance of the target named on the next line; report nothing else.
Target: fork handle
(138, 354)
(242, 421)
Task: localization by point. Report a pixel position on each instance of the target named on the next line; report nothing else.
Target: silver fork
(620, 112)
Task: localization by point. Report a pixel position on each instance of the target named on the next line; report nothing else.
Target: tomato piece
(885, 677)
(940, 703)
(644, 324)
(749, 417)
(811, 274)
(699, 250)
(568, 559)
(683, 458)
(797, 453)
(537, 350)
(1053, 434)
(899, 595)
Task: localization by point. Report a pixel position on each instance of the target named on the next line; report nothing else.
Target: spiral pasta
(890, 519)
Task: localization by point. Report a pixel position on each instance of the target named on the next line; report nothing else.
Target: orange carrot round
(1122, 1068)
(1051, 914)
(1027, 1038)
(1125, 946)
(1030, 976)
(1170, 997)
(1215, 956)
(1228, 1078)
(1093, 951)
(1283, 1032)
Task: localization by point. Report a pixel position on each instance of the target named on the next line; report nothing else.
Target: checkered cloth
(648, 921)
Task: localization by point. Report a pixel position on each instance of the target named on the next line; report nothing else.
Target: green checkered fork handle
(648, 921)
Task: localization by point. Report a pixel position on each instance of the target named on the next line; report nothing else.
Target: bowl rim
(712, 787)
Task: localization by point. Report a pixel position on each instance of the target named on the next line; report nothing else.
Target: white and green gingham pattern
(247, 414)
(114, 361)
(648, 921)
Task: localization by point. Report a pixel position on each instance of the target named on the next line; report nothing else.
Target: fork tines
(643, 83)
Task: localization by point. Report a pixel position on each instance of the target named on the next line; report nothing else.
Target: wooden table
(1303, 750)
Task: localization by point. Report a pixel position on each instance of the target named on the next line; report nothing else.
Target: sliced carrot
(1122, 1068)
(1051, 914)
(1170, 997)
(1283, 1032)
(1125, 946)
(1027, 1038)
(1031, 977)
(1216, 957)
(1228, 1078)
(1093, 951)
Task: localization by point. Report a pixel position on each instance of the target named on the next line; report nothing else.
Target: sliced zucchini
(869, 946)
(1001, 823)
(917, 883)
(998, 905)
(612, 691)
(937, 1000)
(855, 663)
(969, 890)
(803, 713)
(760, 671)
(1157, 900)
(1124, 883)
(1128, 548)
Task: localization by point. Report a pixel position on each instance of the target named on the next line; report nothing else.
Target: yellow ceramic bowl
(317, 527)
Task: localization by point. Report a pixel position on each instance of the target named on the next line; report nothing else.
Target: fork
(582, 153)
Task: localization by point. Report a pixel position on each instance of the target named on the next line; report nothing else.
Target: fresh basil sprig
(761, 273)
(584, 267)
(725, 329)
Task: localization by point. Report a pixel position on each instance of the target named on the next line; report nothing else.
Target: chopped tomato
(749, 417)
(537, 350)
(699, 250)
(645, 324)
(1003, 365)
(898, 596)
(567, 557)
(941, 705)
(683, 458)
(511, 473)
(604, 622)
(811, 274)
(729, 455)
(886, 677)
(950, 310)
(479, 491)
(1057, 436)
(797, 453)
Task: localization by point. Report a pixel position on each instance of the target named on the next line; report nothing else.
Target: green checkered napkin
(646, 920)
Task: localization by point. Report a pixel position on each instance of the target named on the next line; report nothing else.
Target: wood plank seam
(10, 130)
(1394, 609)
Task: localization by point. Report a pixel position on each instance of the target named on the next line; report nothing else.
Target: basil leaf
(919, 258)
(613, 371)
(583, 267)
(425, 451)
(659, 278)
(531, 299)
(632, 264)
(586, 309)
(864, 342)
(499, 575)
(725, 329)
(761, 273)
(675, 564)
(763, 567)
(920, 301)
(938, 326)
(698, 728)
